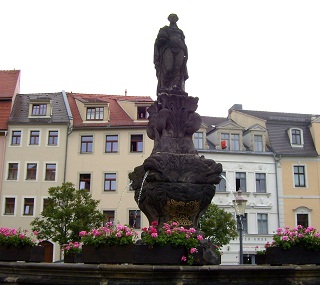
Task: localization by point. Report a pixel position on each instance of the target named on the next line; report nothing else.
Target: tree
(218, 225)
(68, 211)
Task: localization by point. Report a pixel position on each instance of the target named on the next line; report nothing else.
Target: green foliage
(14, 237)
(218, 225)
(68, 212)
(109, 235)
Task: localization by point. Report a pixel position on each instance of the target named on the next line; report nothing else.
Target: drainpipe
(277, 160)
(69, 131)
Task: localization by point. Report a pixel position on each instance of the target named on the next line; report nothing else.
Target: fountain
(174, 183)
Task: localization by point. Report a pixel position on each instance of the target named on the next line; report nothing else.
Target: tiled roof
(118, 117)
(9, 86)
(212, 122)
(9, 83)
(20, 110)
(278, 125)
(5, 107)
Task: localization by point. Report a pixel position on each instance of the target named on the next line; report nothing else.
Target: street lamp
(240, 206)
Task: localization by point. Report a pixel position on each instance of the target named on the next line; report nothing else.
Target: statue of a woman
(170, 57)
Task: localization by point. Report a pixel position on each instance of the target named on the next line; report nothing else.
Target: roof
(118, 116)
(9, 86)
(278, 124)
(212, 122)
(20, 109)
(9, 83)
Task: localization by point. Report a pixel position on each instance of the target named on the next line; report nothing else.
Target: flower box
(293, 255)
(108, 254)
(73, 257)
(25, 253)
(261, 259)
(165, 255)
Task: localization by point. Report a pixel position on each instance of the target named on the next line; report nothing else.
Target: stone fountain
(174, 183)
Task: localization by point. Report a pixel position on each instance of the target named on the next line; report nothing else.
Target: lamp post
(240, 207)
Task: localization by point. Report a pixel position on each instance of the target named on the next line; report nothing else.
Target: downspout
(277, 160)
(69, 131)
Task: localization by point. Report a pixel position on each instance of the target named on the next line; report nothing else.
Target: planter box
(108, 254)
(169, 255)
(261, 259)
(25, 253)
(73, 257)
(294, 255)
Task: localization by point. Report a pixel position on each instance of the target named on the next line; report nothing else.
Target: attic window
(95, 113)
(142, 112)
(39, 109)
(296, 137)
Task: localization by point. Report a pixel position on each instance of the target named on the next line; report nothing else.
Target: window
(28, 206)
(16, 138)
(135, 219)
(258, 143)
(296, 137)
(136, 143)
(303, 220)
(110, 182)
(221, 187)
(261, 183)
(9, 206)
(13, 171)
(45, 203)
(245, 223)
(39, 109)
(50, 172)
(230, 141)
(95, 113)
(86, 144)
(85, 181)
(299, 176)
(34, 137)
(108, 217)
(198, 140)
(262, 224)
(31, 171)
(111, 143)
(225, 141)
(235, 142)
(142, 113)
(53, 138)
(241, 181)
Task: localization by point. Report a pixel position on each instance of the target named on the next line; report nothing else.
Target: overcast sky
(264, 55)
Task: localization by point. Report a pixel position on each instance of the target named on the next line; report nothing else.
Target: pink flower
(154, 235)
(285, 238)
(154, 224)
(193, 250)
(144, 229)
(128, 234)
(82, 233)
(183, 258)
(118, 234)
(199, 237)
(168, 232)
(187, 236)
(35, 233)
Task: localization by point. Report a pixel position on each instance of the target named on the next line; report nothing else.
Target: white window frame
(22, 206)
(291, 137)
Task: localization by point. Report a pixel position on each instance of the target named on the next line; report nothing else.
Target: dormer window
(142, 112)
(230, 141)
(94, 113)
(258, 145)
(39, 110)
(296, 137)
